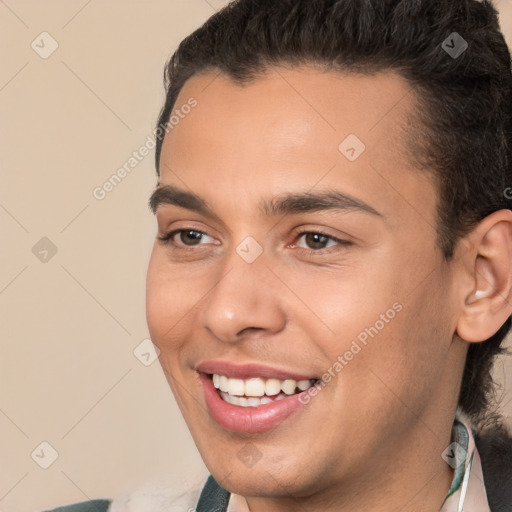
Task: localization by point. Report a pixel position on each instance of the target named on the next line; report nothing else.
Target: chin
(261, 484)
(262, 480)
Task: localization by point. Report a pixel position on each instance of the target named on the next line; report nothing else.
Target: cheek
(168, 302)
(342, 305)
(385, 317)
(408, 357)
(166, 316)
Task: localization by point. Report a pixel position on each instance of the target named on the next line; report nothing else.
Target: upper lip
(248, 370)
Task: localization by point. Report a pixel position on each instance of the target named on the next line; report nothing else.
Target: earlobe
(489, 303)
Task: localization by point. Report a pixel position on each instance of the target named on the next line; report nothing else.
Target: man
(332, 275)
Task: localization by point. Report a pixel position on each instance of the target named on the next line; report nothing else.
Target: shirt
(467, 491)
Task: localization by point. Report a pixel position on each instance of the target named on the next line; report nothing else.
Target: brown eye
(316, 240)
(186, 237)
(190, 237)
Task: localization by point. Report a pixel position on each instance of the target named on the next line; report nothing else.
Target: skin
(372, 438)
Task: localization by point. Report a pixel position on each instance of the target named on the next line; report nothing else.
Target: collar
(466, 494)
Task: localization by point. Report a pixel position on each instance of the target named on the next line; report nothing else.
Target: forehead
(290, 101)
(300, 128)
(289, 110)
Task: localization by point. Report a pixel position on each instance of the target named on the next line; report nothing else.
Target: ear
(486, 283)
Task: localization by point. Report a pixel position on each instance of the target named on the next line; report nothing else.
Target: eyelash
(326, 250)
(167, 239)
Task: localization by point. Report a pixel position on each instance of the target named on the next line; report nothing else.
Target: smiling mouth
(257, 391)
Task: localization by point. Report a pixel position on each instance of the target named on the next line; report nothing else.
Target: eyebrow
(284, 204)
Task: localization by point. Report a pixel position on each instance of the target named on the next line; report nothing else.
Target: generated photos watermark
(357, 345)
(100, 192)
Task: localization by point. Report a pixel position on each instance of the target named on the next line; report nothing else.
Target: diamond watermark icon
(146, 352)
(44, 455)
(351, 147)
(454, 455)
(44, 45)
(454, 45)
(249, 249)
(44, 250)
(249, 455)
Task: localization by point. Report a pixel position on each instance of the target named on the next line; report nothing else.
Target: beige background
(70, 325)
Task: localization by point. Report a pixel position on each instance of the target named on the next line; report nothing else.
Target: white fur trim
(158, 497)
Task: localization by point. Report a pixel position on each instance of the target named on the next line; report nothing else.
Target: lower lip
(248, 419)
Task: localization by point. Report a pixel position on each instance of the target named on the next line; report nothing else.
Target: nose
(245, 299)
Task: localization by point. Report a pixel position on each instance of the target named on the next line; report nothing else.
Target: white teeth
(245, 402)
(303, 384)
(257, 388)
(223, 383)
(236, 387)
(288, 386)
(254, 387)
(272, 387)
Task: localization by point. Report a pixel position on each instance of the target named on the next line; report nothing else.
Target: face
(296, 246)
